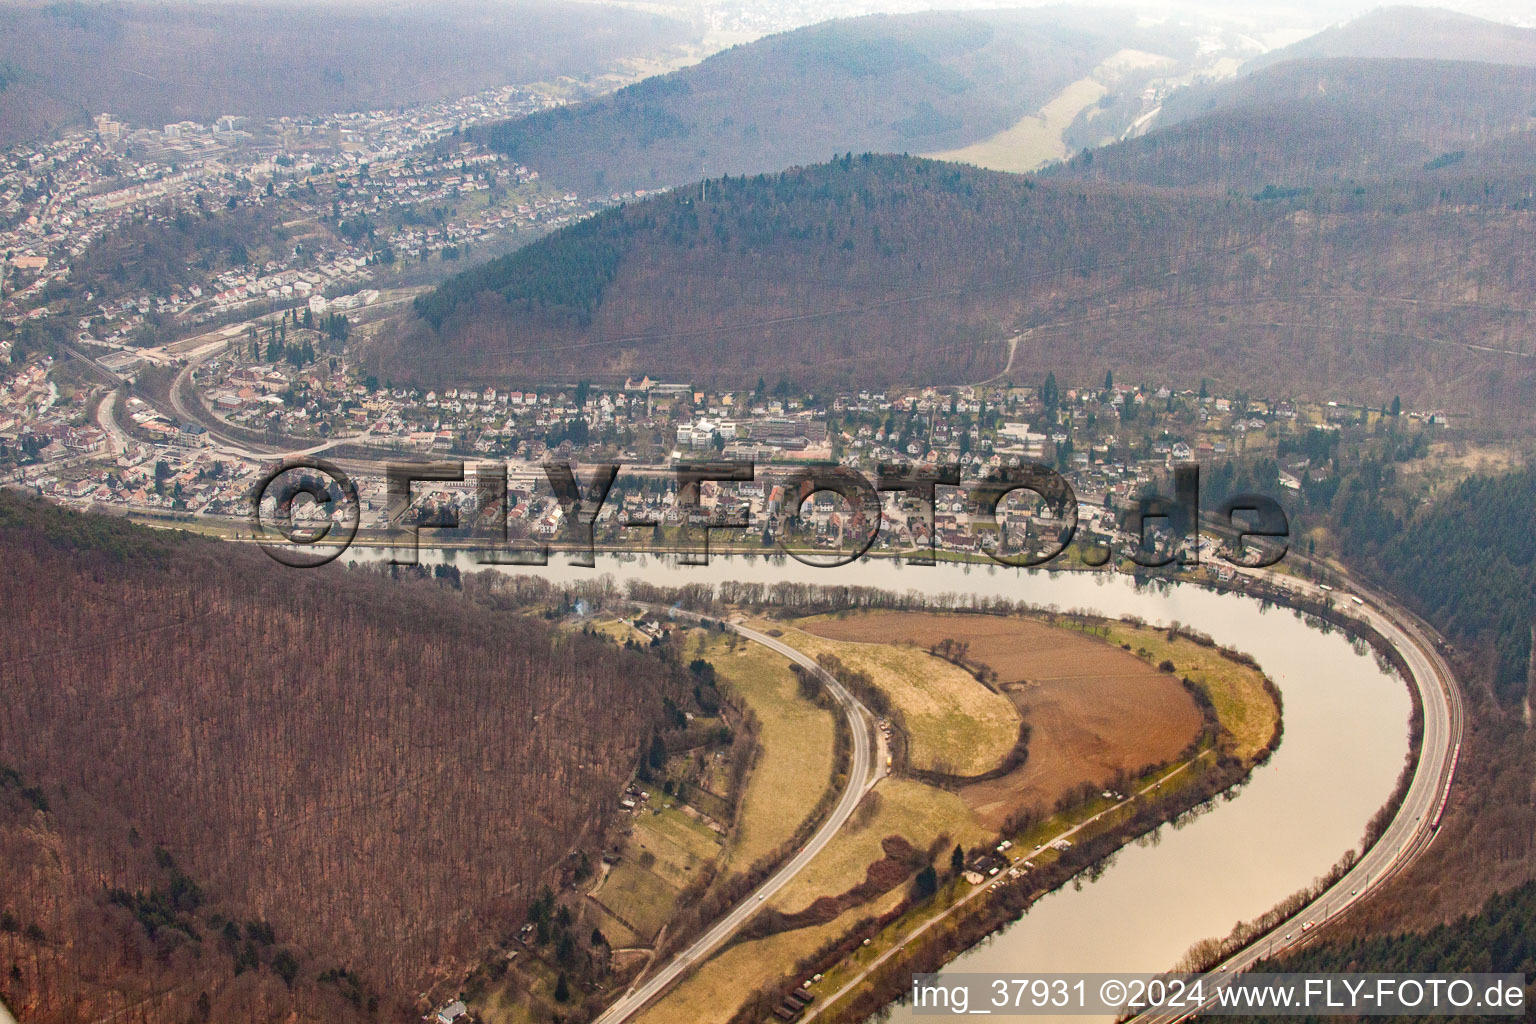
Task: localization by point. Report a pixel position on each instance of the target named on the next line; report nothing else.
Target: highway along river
(1346, 736)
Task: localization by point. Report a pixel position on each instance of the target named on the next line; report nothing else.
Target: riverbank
(1346, 737)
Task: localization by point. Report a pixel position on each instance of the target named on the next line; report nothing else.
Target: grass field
(510, 1006)
(639, 896)
(667, 848)
(618, 630)
(680, 845)
(792, 771)
(917, 812)
(714, 993)
(1094, 710)
(955, 724)
(1037, 139)
(615, 931)
(1034, 139)
(794, 763)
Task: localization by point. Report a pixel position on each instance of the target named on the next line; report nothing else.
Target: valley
(1041, 138)
(624, 513)
(901, 823)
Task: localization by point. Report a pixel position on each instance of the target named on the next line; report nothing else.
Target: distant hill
(872, 271)
(1424, 33)
(62, 63)
(1316, 122)
(234, 791)
(916, 83)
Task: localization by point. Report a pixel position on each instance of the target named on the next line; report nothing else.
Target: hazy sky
(1282, 12)
(1318, 12)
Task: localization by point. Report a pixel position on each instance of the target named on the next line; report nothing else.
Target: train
(1445, 794)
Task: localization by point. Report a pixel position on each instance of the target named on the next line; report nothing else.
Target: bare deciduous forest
(918, 82)
(1423, 33)
(1319, 122)
(1464, 560)
(872, 271)
(237, 789)
(62, 63)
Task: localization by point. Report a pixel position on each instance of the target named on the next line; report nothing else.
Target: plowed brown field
(1094, 710)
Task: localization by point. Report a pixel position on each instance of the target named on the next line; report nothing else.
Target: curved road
(863, 773)
(228, 444)
(1417, 821)
(106, 419)
(1410, 833)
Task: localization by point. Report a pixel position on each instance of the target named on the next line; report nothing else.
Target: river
(1346, 736)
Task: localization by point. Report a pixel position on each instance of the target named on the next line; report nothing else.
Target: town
(145, 382)
(290, 384)
(313, 207)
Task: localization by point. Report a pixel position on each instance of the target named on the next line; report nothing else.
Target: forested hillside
(876, 270)
(235, 791)
(1318, 122)
(896, 84)
(1424, 33)
(62, 63)
(1466, 561)
(1499, 938)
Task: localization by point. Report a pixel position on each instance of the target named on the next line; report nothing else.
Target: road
(106, 419)
(1415, 826)
(864, 771)
(832, 1000)
(1411, 830)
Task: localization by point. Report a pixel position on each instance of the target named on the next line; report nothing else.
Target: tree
(926, 883)
(1050, 395)
(957, 860)
(1064, 455)
(506, 668)
(286, 967)
(1397, 405)
(562, 989)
